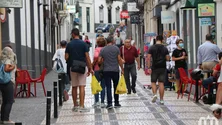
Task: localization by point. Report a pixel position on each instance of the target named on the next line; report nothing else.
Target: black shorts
(158, 75)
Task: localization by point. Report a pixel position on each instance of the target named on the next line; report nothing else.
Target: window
(88, 18)
(101, 14)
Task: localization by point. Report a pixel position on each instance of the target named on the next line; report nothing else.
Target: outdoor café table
(24, 89)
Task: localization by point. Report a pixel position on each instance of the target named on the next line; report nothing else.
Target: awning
(186, 4)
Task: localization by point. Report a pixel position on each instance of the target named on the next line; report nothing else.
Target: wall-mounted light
(117, 8)
(101, 6)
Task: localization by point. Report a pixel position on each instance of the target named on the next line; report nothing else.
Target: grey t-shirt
(110, 56)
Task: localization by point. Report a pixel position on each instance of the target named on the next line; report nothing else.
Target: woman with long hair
(8, 61)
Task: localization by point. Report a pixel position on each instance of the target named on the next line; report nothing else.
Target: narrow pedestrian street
(137, 109)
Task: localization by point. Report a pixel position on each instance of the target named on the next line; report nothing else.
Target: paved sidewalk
(136, 110)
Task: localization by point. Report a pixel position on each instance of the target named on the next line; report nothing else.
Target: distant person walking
(129, 54)
(87, 41)
(118, 40)
(159, 55)
(207, 54)
(77, 56)
(8, 60)
(110, 56)
(60, 56)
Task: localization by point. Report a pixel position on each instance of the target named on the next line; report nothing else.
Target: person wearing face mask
(180, 57)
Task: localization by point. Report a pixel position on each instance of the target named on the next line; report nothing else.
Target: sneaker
(75, 109)
(103, 105)
(97, 104)
(66, 95)
(117, 106)
(8, 122)
(161, 102)
(154, 98)
(134, 90)
(83, 109)
(109, 107)
(129, 93)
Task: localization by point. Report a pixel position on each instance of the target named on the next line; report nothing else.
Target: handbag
(78, 66)
(5, 77)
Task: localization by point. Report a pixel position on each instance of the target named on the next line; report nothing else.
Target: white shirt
(60, 54)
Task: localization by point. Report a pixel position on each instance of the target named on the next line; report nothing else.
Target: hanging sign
(11, 4)
(206, 9)
(124, 14)
(168, 17)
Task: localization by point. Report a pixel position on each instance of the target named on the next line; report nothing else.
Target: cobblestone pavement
(136, 110)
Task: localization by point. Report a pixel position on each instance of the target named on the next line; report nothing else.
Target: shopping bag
(95, 86)
(121, 87)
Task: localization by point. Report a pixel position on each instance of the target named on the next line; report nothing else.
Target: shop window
(80, 19)
(88, 18)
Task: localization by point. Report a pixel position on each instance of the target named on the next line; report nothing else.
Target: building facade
(107, 11)
(28, 31)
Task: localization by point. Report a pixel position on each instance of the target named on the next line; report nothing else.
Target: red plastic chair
(40, 80)
(184, 79)
(22, 78)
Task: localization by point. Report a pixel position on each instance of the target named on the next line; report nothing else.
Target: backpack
(58, 66)
(5, 77)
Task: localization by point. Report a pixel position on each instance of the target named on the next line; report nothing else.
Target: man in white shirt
(60, 54)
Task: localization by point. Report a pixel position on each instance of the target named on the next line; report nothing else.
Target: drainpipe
(39, 31)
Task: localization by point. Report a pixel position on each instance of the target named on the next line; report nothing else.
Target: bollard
(48, 107)
(55, 100)
(60, 90)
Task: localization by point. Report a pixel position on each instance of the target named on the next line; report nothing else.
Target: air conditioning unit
(46, 2)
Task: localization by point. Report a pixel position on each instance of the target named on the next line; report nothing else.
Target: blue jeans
(114, 76)
(208, 81)
(102, 83)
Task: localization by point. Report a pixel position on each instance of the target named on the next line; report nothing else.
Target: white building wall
(28, 23)
(36, 27)
(84, 5)
(105, 9)
(11, 26)
(219, 24)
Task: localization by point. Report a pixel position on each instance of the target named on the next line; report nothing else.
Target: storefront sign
(134, 18)
(11, 3)
(124, 14)
(168, 17)
(71, 9)
(131, 7)
(206, 21)
(206, 9)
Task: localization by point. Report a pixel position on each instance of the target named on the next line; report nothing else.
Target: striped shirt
(207, 52)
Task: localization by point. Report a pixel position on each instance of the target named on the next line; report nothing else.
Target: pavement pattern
(137, 109)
